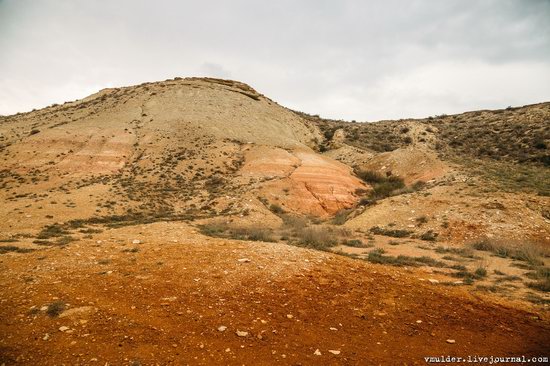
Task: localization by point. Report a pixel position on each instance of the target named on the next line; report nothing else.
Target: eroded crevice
(319, 200)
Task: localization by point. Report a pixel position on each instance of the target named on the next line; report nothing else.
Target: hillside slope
(167, 149)
(195, 221)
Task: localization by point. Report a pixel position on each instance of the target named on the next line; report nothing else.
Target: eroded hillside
(198, 220)
(161, 150)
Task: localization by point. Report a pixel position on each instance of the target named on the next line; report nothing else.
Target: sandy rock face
(322, 186)
(302, 181)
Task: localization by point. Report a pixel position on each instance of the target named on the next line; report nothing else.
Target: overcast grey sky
(350, 59)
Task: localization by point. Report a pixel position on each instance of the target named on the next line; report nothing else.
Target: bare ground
(164, 302)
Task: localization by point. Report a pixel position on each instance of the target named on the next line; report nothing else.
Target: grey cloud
(215, 70)
(352, 59)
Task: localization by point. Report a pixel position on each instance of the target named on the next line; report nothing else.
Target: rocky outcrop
(302, 181)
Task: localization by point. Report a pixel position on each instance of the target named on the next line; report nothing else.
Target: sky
(360, 60)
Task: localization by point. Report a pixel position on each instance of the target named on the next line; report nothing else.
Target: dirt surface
(459, 213)
(102, 199)
(164, 303)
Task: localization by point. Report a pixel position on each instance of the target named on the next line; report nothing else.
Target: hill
(196, 221)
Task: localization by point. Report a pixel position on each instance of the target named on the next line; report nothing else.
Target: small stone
(332, 328)
(136, 241)
(290, 316)
(451, 341)
(418, 321)
(222, 328)
(334, 352)
(241, 333)
(317, 352)
(63, 328)
(46, 337)
(43, 308)
(243, 260)
(79, 311)
(431, 280)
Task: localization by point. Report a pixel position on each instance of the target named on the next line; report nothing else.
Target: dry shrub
(317, 237)
(294, 222)
(224, 229)
(525, 251)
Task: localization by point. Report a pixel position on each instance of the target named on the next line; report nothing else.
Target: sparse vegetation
(12, 248)
(316, 237)
(395, 233)
(276, 209)
(421, 220)
(168, 171)
(50, 231)
(355, 243)
(489, 144)
(542, 279)
(228, 230)
(377, 256)
(341, 217)
(429, 235)
(9, 240)
(480, 272)
(382, 186)
(64, 240)
(56, 308)
(526, 252)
